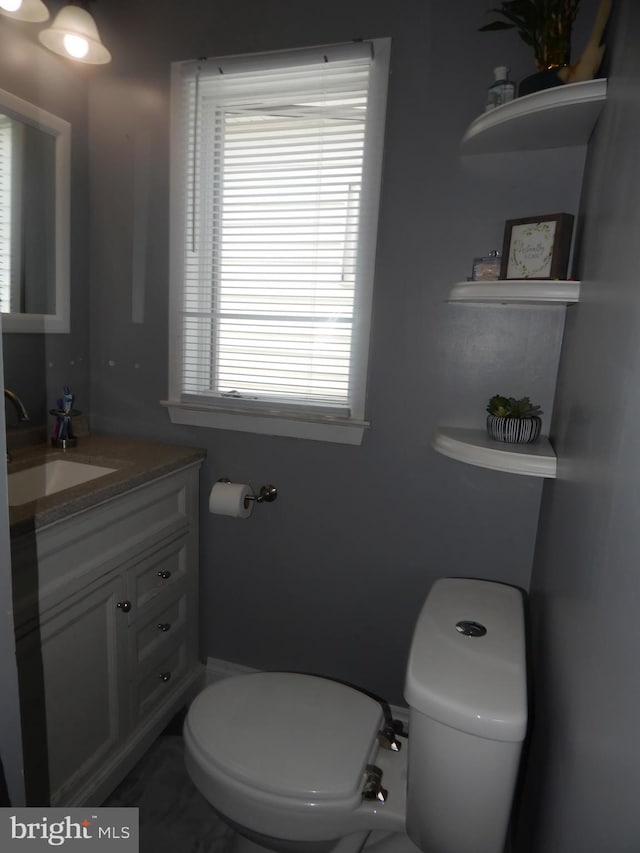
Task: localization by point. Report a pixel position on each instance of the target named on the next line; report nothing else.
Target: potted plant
(513, 421)
(546, 25)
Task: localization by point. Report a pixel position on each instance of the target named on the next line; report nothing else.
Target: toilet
(302, 764)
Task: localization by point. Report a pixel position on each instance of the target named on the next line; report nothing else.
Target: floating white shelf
(525, 291)
(474, 447)
(554, 118)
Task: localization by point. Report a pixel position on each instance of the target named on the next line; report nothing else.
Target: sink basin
(49, 478)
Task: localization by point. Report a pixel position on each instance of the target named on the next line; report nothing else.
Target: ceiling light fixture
(33, 11)
(74, 34)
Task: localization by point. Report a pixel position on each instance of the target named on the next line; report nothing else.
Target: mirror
(35, 149)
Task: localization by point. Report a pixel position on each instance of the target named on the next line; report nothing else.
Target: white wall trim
(313, 428)
(216, 669)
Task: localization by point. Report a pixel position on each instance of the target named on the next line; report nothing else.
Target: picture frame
(537, 247)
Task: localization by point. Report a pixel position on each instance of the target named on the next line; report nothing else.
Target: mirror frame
(60, 322)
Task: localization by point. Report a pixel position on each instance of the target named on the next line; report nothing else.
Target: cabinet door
(71, 691)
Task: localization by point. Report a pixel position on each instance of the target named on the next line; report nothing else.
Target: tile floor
(174, 816)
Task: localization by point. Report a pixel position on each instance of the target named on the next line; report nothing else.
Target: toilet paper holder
(267, 493)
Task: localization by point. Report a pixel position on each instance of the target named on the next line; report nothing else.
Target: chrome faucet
(17, 402)
(23, 417)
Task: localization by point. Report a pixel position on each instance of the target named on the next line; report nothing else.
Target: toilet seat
(276, 749)
(290, 735)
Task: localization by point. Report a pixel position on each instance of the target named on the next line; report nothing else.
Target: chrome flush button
(471, 629)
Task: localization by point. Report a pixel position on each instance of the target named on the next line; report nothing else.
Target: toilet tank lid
(476, 684)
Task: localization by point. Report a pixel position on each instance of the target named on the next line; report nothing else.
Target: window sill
(310, 427)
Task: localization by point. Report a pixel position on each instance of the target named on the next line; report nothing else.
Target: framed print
(537, 247)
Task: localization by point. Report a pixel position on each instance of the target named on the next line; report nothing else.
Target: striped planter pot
(514, 430)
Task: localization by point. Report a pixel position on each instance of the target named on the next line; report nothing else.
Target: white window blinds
(274, 254)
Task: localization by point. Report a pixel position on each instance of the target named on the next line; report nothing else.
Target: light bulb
(33, 11)
(76, 46)
(74, 34)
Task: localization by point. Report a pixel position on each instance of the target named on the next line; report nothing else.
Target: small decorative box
(487, 268)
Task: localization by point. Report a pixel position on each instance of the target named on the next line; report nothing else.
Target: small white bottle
(502, 90)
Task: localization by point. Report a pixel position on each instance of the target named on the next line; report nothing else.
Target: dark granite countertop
(136, 462)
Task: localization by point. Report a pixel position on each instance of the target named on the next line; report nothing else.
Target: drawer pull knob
(164, 575)
(164, 626)
(165, 676)
(125, 606)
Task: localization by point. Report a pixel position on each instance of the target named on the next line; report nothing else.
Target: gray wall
(330, 578)
(584, 775)
(37, 366)
(10, 734)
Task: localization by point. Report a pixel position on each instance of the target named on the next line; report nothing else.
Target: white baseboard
(217, 669)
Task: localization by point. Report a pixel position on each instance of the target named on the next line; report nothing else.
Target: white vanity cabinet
(106, 615)
(72, 679)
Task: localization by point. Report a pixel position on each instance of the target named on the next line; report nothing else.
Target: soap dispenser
(502, 90)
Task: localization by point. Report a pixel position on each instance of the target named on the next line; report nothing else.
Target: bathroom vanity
(105, 579)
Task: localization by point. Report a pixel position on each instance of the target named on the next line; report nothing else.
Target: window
(276, 166)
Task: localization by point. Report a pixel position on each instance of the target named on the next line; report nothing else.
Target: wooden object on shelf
(587, 66)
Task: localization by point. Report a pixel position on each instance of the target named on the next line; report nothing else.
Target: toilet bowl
(301, 763)
(290, 750)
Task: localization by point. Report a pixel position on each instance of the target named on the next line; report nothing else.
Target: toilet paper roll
(230, 499)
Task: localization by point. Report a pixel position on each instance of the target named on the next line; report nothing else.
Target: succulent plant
(510, 407)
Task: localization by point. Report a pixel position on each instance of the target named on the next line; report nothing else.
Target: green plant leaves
(510, 407)
(540, 23)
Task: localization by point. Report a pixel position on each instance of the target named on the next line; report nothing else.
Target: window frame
(302, 420)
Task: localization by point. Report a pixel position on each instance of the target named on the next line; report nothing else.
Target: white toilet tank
(467, 693)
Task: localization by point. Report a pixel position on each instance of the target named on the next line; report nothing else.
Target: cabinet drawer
(160, 574)
(159, 630)
(161, 678)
